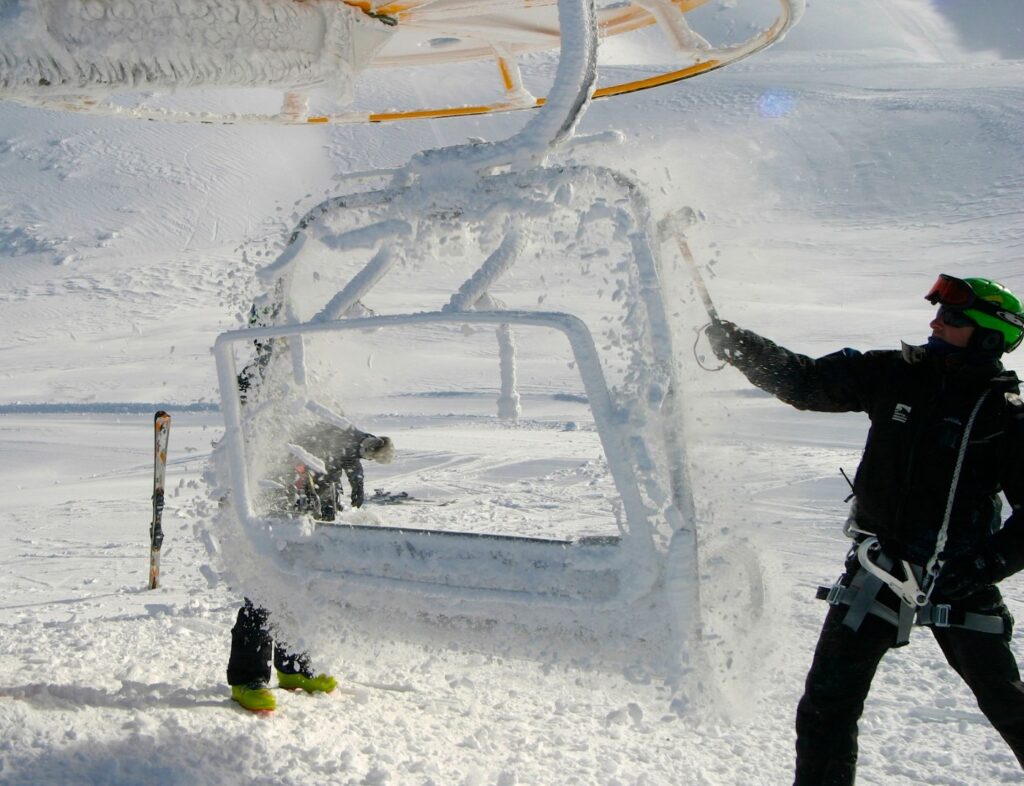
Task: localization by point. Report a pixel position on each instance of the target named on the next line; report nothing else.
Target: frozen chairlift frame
(641, 588)
(641, 585)
(560, 570)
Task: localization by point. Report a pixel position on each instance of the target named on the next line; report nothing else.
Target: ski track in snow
(837, 173)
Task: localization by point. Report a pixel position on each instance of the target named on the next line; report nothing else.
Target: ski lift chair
(576, 239)
(595, 283)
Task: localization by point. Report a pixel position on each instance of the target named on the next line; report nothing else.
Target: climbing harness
(912, 584)
(861, 596)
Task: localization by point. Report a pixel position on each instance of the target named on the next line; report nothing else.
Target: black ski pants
(353, 469)
(840, 677)
(251, 644)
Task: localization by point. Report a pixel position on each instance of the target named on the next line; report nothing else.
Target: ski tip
(160, 415)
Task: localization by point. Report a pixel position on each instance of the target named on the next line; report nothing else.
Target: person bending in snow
(252, 641)
(342, 450)
(946, 436)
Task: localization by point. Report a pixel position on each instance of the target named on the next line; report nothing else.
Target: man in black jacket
(946, 436)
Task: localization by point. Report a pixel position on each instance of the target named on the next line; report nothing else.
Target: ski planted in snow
(162, 425)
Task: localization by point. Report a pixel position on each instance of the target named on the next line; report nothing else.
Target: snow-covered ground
(837, 173)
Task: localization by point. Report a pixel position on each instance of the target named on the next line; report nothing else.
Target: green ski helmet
(987, 303)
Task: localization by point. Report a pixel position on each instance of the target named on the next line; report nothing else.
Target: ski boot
(321, 683)
(254, 696)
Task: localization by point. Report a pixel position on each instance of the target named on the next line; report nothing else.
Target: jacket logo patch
(901, 413)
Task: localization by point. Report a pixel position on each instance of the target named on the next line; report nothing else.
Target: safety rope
(934, 565)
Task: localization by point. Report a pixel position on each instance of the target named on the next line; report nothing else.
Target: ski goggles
(952, 292)
(957, 295)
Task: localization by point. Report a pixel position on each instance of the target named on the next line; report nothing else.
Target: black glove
(722, 336)
(966, 574)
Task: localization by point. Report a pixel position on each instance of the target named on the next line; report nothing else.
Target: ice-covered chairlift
(608, 594)
(559, 569)
(639, 583)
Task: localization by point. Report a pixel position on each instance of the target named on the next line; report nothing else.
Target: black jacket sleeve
(840, 382)
(1008, 542)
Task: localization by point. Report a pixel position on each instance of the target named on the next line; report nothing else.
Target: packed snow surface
(834, 175)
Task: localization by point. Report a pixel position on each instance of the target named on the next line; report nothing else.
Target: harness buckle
(908, 589)
(835, 592)
(940, 615)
